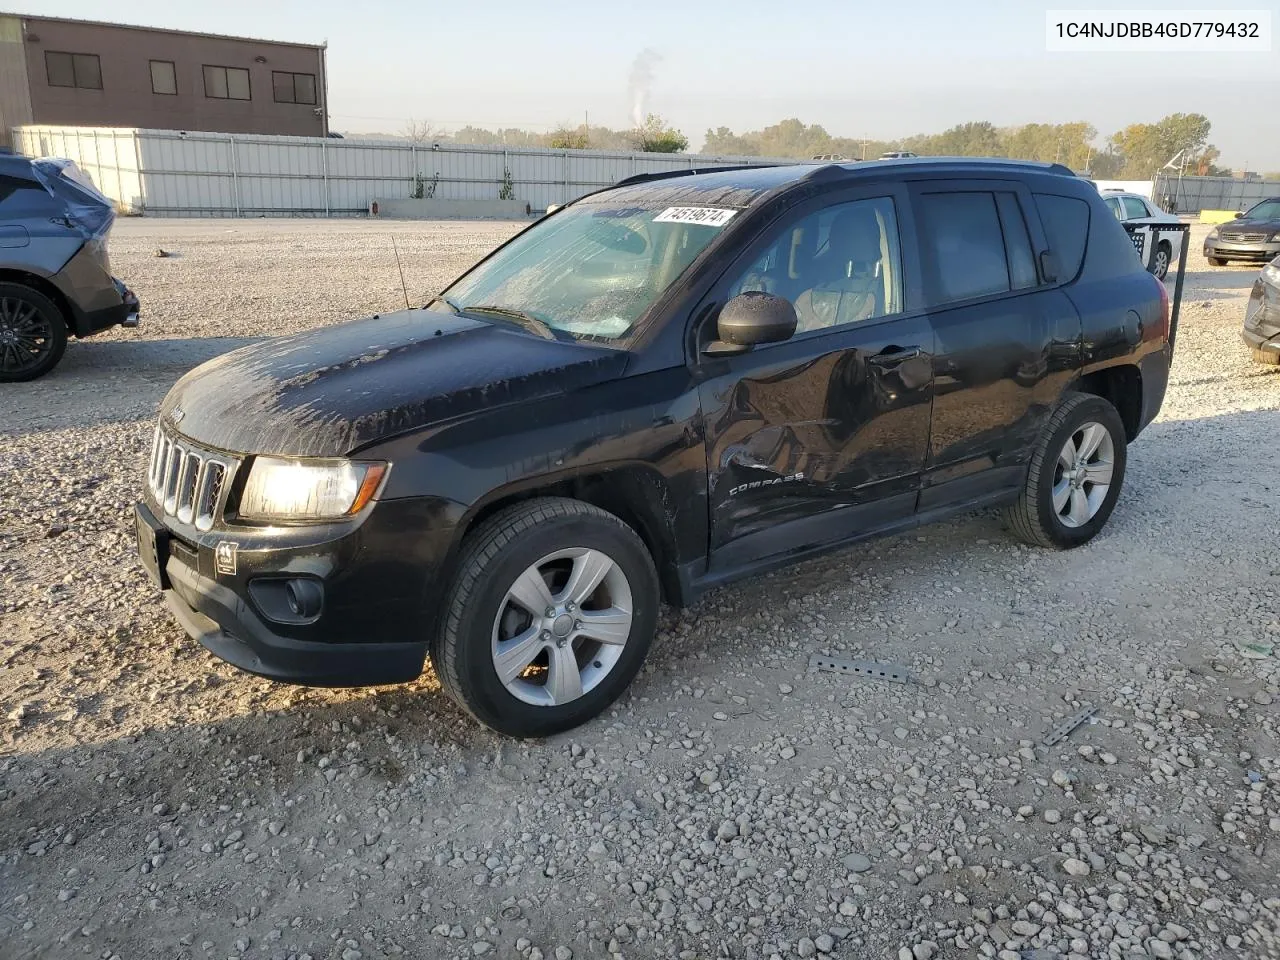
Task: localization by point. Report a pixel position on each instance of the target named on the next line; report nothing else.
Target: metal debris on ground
(1068, 726)
(863, 668)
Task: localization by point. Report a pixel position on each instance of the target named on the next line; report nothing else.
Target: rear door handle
(890, 357)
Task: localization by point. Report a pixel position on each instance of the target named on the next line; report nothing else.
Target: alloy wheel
(26, 335)
(1082, 475)
(562, 627)
(1161, 264)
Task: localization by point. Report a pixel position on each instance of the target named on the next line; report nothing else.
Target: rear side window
(962, 233)
(1066, 225)
(19, 197)
(1017, 243)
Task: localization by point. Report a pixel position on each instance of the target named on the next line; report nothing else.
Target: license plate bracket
(153, 547)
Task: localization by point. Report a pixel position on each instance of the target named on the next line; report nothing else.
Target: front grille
(186, 480)
(1244, 237)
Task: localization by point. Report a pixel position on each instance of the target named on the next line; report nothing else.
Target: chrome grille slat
(186, 481)
(1244, 237)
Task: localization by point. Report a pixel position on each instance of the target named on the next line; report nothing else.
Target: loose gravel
(157, 803)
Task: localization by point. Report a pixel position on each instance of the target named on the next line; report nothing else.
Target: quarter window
(226, 83)
(294, 87)
(965, 245)
(839, 266)
(164, 78)
(1066, 227)
(82, 70)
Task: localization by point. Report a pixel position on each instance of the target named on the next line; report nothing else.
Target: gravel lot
(156, 803)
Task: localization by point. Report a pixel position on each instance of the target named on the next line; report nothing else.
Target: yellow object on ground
(1217, 216)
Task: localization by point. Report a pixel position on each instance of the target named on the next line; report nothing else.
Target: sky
(882, 70)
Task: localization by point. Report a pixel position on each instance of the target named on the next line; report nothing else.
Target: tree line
(1134, 153)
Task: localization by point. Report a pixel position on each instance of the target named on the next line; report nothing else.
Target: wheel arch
(47, 288)
(637, 494)
(1121, 386)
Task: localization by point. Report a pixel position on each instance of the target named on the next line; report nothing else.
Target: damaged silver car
(55, 278)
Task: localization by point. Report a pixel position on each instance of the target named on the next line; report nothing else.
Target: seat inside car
(845, 281)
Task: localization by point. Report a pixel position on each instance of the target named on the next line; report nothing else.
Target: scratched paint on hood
(328, 392)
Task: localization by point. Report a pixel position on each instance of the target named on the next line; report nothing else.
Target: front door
(822, 437)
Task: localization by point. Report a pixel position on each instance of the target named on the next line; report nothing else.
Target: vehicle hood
(1250, 223)
(328, 392)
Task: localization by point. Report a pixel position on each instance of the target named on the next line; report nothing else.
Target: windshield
(592, 270)
(1266, 210)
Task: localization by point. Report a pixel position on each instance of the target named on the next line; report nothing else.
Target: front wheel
(550, 615)
(1217, 261)
(1074, 477)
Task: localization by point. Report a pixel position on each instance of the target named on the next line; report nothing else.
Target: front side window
(1135, 209)
(226, 83)
(962, 239)
(838, 266)
(293, 87)
(591, 270)
(82, 70)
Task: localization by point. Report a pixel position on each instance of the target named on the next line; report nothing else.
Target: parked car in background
(1262, 315)
(667, 385)
(897, 155)
(1136, 209)
(1253, 235)
(55, 277)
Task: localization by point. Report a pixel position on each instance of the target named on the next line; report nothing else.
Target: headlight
(1271, 274)
(1275, 236)
(1213, 234)
(280, 489)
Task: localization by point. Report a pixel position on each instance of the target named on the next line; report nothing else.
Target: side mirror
(753, 318)
(1239, 215)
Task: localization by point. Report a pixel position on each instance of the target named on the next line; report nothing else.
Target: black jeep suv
(661, 387)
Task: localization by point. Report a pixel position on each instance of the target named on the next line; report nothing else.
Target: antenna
(403, 286)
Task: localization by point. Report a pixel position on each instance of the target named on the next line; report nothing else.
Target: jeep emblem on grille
(177, 415)
(224, 558)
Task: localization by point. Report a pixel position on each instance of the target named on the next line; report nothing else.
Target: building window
(226, 83)
(164, 79)
(294, 87)
(81, 70)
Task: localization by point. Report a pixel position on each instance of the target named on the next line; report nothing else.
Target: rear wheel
(1075, 475)
(551, 612)
(33, 333)
(1217, 261)
(1164, 256)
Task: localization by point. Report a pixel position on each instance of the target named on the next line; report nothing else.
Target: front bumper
(376, 574)
(1228, 250)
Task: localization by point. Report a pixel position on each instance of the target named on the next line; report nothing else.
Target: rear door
(1005, 341)
(822, 437)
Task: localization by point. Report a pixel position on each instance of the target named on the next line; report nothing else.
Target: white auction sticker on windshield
(706, 216)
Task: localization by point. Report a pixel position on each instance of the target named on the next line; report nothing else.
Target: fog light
(304, 597)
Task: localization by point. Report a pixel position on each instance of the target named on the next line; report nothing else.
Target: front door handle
(890, 357)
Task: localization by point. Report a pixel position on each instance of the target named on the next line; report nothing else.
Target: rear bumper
(124, 314)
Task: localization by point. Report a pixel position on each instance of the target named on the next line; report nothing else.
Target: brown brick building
(81, 73)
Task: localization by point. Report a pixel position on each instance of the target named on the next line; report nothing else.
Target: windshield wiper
(526, 320)
(446, 301)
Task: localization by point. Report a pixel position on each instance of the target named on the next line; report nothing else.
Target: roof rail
(670, 174)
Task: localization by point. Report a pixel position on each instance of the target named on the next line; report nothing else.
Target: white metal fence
(168, 173)
(1193, 194)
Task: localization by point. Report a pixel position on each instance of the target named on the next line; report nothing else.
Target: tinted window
(1135, 209)
(838, 266)
(19, 197)
(1017, 243)
(1113, 204)
(73, 70)
(1066, 226)
(962, 235)
(1266, 210)
(226, 83)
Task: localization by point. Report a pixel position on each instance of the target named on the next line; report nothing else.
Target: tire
(482, 619)
(1217, 261)
(1161, 267)
(33, 333)
(1034, 516)
(1270, 357)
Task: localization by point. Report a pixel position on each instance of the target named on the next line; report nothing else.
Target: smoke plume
(640, 82)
